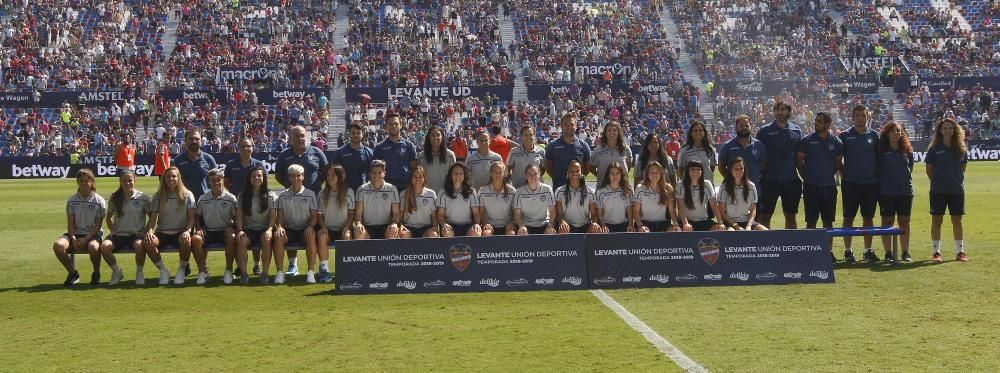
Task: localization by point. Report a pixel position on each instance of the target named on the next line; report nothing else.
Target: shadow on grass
(885, 266)
(129, 285)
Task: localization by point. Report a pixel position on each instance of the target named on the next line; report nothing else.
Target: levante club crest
(461, 256)
(709, 250)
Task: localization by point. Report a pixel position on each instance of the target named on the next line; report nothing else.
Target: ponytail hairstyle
(246, 196)
(340, 188)
(730, 184)
(567, 191)
(411, 192)
(666, 191)
(118, 197)
(686, 184)
(507, 187)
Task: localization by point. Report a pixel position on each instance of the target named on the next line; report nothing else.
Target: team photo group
(514, 185)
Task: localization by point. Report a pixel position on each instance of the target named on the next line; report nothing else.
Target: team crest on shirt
(425, 201)
(830, 146)
(543, 197)
(385, 196)
(91, 207)
(461, 256)
(709, 249)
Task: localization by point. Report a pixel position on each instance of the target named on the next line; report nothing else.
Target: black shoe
(256, 270)
(237, 272)
(833, 257)
(95, 278)
(906, 257)
(889, 258)
(187, 270)
(849, 256)
(72, 278)
(871, 257)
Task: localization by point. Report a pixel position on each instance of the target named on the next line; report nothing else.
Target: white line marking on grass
(661, 344)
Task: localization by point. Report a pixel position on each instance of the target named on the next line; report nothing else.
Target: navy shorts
(617, 228)
(744, 224)
(864, 196)
(790, 192)
(376, 232)
(168, 240)
(954, 203)
(295, 236)
(657, 226)
(895, 205)
(418, 232)
(702, 226)
(821, 202)
(97, 238)
(460, 229)
(254, 236)
(213, 237)
(581, 229)
(119, 243)
(333, 236)
(536, 230)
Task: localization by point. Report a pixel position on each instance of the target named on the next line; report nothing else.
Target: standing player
(296, 217)
(820, 157)
(194, 164)
(534, 205)
(458, 212)
(614, 201)
(337, 214)
(496, 202)
(313, 162)
(575, 204)
(524, 155)
(860, 183)
(653, 202)
(84, 211)
(376, 209)
(214, 226)
(698, 148)
(435, 158)
(126, 220)
(895, 176)
(612, 149)
(479, 161)
(946, 161)
(173, 217)
(235, 179)
(355, 156)
(778, 178)
(255, 215)
(653, 152)
(419, 207)
(398, 153)
(560, 151)
(746, 147)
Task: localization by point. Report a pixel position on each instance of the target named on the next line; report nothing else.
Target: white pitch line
(661, 344)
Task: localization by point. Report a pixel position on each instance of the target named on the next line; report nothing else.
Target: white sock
(114, 267)
(959, 246)
(295, 261)
(868, 249)
(324, 265)
(936, 244)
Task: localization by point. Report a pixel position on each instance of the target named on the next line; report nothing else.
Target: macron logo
(38, 171)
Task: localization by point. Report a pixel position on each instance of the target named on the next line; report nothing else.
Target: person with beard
(820, 157)
(746, 147)
(779, 177)
(355, 157)
(313, 161)
(398, 153)
(860, 178)
(195, 164)
(561, 150)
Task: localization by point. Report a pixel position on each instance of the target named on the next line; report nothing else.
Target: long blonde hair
(162, 191)
(411, 192)
(666, 191)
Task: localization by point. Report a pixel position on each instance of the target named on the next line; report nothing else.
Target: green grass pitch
(919, 317)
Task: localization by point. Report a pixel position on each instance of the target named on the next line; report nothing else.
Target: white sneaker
(203, 278)
(179, 278)
(140, 278)
(116, 277)
(164, 276)
(227, 277)
(279, 278)
(310, 277)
